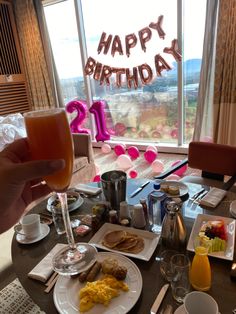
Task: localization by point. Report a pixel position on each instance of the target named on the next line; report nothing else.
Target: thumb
(36, 169)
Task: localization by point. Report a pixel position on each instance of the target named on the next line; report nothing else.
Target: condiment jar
(138, 220)
(113, 217)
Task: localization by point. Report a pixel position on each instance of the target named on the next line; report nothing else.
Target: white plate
(232, 208)
(183, 189)
(150, 240)
(66, 291)
(73, 206)
(44, 232)
(230, 225)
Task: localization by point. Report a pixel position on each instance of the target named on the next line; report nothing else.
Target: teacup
(200, 302)
(29, 226)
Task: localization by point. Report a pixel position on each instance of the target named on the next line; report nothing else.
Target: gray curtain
(204, 117)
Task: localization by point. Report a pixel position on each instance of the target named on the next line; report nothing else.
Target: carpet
(15, 300)
(108, 162)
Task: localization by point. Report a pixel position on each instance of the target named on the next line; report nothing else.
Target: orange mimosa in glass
(50, 138)
(200, 272)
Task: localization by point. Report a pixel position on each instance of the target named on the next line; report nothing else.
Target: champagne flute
(49, 137)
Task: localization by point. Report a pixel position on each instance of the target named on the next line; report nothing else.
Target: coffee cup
(200, 302)
(29, 226)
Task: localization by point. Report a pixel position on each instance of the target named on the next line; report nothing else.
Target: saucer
(232, 209)
(44, 232)
(180, 310)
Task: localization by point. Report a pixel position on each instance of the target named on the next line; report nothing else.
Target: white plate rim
(195, 230)
(180, 310)
(45, 231)
(149, 237)
(72, 206)
(179, 185)
(63, 280)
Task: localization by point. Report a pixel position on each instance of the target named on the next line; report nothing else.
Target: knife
(159, 299)
(139, 189)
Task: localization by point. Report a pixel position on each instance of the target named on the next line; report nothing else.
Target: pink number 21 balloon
(97, 109)
(81, 109)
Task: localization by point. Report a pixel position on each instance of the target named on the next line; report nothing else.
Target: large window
(162, 111)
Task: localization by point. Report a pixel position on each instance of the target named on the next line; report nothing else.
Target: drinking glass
(200, 272)
(49, 137)
(165, 265)
(180, 284)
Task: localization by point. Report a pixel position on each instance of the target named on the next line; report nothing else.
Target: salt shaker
(138, 217)
(124, 210)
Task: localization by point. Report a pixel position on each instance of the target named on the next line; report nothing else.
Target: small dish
(183, 189)
(230, 225)
(72, 206)
(232, 209)
(44, 232)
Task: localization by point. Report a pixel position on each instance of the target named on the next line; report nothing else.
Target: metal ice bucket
(114, 187)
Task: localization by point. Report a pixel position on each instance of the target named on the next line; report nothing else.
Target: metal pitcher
(114, 187)
(174, 235)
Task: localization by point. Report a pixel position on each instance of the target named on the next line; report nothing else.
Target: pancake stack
(123, 241)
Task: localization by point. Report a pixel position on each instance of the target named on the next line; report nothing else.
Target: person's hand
(21, 181)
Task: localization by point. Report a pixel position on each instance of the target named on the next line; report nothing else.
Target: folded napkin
(43, 270)
(213, 197)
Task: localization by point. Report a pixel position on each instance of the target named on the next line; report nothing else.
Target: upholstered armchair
(84, 166)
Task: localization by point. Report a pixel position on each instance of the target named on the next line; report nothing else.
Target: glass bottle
(200, 272)
(155, 208)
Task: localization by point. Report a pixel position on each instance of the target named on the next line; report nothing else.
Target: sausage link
(84, 274)
(94, 271)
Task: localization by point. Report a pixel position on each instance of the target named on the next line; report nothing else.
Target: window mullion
(180, 73)
(83, 52)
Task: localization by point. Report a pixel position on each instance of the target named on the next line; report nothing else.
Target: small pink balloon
(124, 162)
(97, 178)
(150, 156)
(119, 149)
(157, 166)
(106, 148)
(173, 177)
(133, 152)
(152, 147)
(133, 174)
(207, 139)
(180, 172)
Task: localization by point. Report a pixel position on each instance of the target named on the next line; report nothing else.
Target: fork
(234, 311)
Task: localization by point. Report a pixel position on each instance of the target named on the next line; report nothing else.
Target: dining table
(223, 288)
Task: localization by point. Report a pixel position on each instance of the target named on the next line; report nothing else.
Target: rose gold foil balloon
(145, 79)
(118, 72)
(130, 42)
(174, 50)
(132, 78)
(158, 27)
(105, 75)
(90, 65)
(104, 43)
(145, 35)
(116, 46)
(161, 64)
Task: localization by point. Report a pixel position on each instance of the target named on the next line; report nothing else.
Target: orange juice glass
(200, 272)
(50, 138)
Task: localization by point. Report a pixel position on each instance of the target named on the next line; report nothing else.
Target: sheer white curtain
(204, 118)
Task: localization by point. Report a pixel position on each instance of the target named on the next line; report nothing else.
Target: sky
(121, 17)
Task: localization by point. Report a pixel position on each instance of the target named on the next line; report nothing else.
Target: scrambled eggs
(100, 291)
